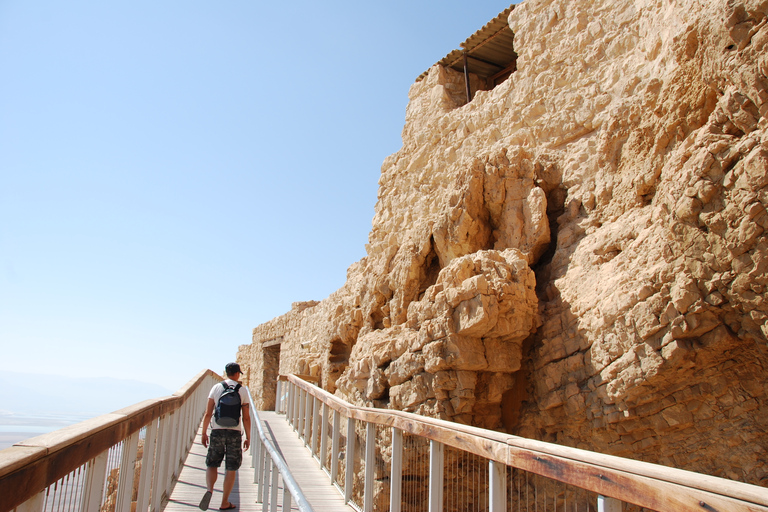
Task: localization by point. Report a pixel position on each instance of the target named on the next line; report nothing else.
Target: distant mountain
(43, 395)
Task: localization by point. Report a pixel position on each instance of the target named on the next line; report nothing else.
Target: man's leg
(211, 474)
(212, 462)
(229, 484)
(233, 461)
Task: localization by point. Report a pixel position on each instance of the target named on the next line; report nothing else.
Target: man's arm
(207, 420)
(247, 425)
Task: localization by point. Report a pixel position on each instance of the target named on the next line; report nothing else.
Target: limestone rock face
(577, 255)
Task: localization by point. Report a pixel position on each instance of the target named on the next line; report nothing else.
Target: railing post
(265, 495)
(370, 454)
(273, 497)
(94, 482)
(315, 413)
(277, 396)
(126, 472)
(396, 477)
(254, 433)
(33, 504)
(181, 452)
(335, 446)
(436, 470)
(261, 471)
(350, 458)
(605, 504)
(255, 451)
(289, 405)
(147, 465)
(301, 418)
(162, 453)
(323, 435)
(497, 474)
(174, 448)
(308, 418)
(286, 498)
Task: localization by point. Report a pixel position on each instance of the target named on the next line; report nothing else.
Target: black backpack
(228, 408)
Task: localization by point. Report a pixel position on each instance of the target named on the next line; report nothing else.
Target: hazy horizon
(36, 404)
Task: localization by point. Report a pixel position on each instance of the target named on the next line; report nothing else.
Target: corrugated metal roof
(489, 50)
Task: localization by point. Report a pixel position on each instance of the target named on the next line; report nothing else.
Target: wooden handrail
(642, 483)
(33, 464)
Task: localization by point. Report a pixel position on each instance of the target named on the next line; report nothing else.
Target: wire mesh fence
(67, 492)
(358, 472)
(341, 472)
(382, 468)
(465, 481)
(415, 479)
(328, 455)
(529, 492)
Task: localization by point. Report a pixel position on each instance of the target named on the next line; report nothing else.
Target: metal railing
(383, 460)
(268, 464)
(105, 464)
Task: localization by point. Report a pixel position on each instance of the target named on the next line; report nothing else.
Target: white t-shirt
(215, 394)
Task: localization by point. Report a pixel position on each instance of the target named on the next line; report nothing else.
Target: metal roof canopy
(488, 53)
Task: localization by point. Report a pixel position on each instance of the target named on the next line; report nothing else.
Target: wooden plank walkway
(315, 484)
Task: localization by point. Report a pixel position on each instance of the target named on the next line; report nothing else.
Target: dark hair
(232, 368)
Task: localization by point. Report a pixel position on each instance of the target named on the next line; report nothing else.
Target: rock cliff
(577, 255)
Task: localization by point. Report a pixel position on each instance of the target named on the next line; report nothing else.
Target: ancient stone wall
(578, 255)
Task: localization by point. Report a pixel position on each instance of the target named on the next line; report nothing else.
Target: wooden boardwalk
(313, 481)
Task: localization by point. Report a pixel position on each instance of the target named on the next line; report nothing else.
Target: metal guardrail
(396, 461)
(98, 464)
(268, 464)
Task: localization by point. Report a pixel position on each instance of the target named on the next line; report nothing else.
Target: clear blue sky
(174, 173)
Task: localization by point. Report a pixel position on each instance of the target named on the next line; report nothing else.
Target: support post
(96, 474)
(286, 499)
(126, 472)
(605, 504)
(33, 504)
(265, 494)
(261, 470)
(436, 470)
(273, 497)
(296, 408)
(162, 454)
(466, 77)
(349, 476)
(396, 477)
(315, 413)
(335, 446)
(370, 455)
(173, 449)
(289, 405)
(308, 419)
(256, 455)
(497, 473)
(301, 418)
(278, 405)
(323, 435)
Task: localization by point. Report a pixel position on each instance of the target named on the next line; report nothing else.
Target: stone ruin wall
(578, 255)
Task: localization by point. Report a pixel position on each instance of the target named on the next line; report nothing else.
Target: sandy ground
(7, 439)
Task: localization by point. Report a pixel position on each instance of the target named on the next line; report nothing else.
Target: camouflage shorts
(225, 442)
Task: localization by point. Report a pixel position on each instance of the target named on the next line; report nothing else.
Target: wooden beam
(272, 342)
(466, 78)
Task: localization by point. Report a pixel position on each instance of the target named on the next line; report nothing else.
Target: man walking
(229, 400)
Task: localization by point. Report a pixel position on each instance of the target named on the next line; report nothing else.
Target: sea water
(15, 427)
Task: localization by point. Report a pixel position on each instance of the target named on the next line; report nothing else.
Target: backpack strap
(237, 388)
(226, 387)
